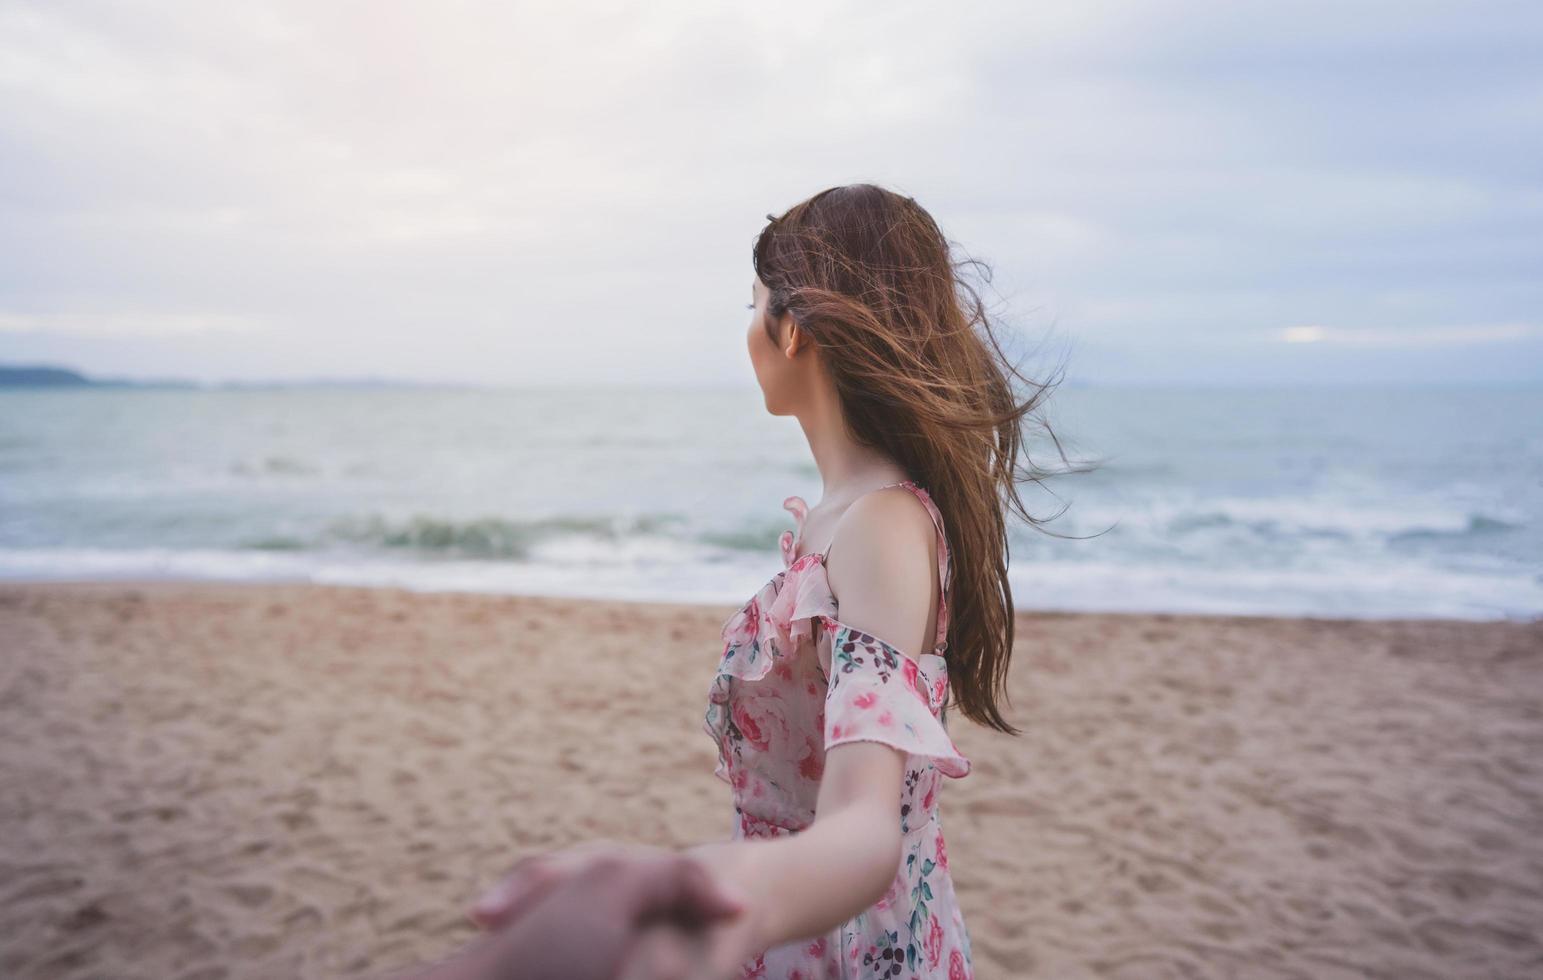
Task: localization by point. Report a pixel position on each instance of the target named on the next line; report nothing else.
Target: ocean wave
(1276, 518)
(482, 537)
(274, 466)
(1478, 525)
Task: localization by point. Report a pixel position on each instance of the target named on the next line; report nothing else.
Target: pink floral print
(774, 712)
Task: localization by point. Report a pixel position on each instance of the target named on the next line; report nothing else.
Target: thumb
(512, 897)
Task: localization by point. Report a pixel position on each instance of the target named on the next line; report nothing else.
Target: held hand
(697, 949)
(732, 940)
(648, 915)
(701, 895)
(729, 942)
(714, 952)
(533, 876)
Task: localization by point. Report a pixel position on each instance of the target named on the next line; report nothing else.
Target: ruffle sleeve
(765, 631)
(776, 620)
(878, 694)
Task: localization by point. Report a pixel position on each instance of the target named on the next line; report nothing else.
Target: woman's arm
(805, 884)
(808, 883)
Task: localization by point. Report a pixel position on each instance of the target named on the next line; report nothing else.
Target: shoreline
(174, 583)
(218, 779)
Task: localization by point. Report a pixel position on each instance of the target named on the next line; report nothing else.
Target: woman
(828, 703)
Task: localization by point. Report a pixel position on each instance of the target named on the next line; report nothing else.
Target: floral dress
(774, 712)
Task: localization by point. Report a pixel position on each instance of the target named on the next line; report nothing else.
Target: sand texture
(207, 781)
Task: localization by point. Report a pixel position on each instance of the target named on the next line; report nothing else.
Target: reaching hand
(604, 910)
(531, 877)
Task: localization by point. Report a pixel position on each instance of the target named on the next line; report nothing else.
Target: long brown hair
(870, 278)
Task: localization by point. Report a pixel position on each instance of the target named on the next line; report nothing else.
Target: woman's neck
(846, 467)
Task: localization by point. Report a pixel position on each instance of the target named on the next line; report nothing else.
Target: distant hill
(41, 376)
(52, 376)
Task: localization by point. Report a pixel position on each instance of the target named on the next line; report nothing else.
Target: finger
(515, 895)
(533, 876)
(505, 888)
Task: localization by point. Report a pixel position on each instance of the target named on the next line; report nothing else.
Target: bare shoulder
(881, 568)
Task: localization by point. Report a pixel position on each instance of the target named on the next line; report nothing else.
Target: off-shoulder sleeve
(876, 694)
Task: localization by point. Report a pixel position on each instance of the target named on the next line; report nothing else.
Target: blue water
(1319, 501)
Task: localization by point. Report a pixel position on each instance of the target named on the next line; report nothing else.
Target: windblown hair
(869, 277)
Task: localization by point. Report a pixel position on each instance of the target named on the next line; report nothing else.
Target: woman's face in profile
(773, 369)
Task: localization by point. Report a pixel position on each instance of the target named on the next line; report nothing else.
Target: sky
(567, 192)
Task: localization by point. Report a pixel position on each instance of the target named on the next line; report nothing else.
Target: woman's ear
(792, 338)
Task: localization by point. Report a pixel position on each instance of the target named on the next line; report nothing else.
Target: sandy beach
(211, 781)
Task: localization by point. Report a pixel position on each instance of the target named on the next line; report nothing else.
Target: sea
(1360, 502)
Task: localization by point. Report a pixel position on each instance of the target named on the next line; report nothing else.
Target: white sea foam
(1340, 592)
(1365, 503)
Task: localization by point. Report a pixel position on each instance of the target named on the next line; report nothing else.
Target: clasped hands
(603, 910)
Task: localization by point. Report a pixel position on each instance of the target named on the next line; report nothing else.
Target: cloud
(515, 191)
(1442, 336)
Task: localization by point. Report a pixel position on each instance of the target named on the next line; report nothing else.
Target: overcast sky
(501, 192)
